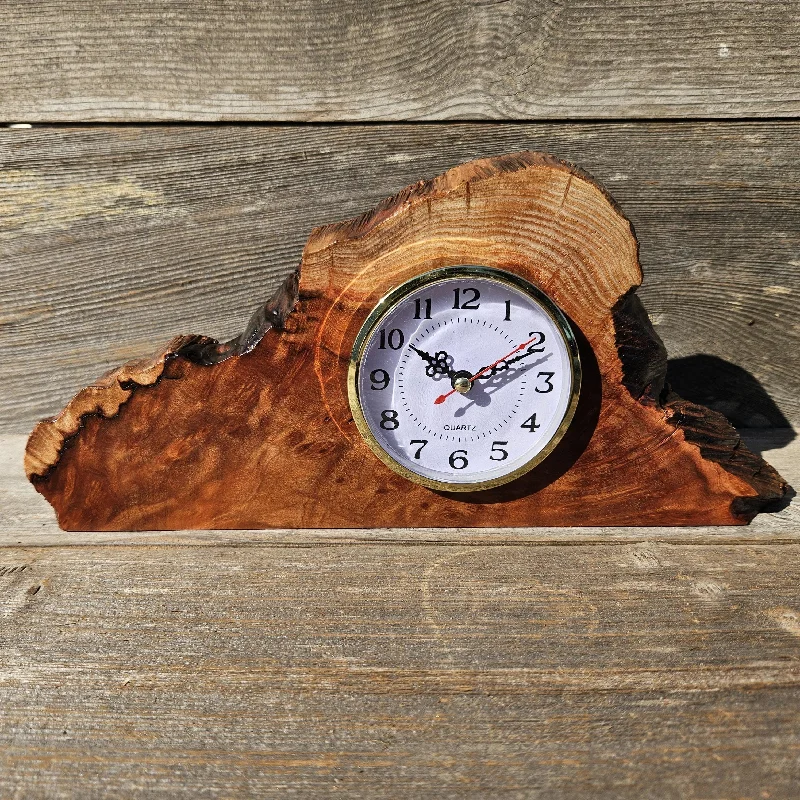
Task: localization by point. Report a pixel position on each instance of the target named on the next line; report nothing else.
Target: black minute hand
(503, 365)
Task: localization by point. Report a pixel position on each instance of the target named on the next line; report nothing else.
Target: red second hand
(442, 397)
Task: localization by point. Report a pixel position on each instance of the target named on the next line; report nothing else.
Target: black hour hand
(439, 364)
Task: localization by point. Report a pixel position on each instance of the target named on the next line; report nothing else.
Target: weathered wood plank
(641, 670)
(115, 239)
(523, 59)
(27, 519)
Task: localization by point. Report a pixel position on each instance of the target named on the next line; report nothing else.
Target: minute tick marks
(508, 420)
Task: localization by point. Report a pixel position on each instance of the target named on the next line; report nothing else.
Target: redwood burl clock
(470, 353)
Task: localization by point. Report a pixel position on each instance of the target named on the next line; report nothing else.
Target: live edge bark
(257, 432)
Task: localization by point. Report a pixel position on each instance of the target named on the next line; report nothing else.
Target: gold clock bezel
(397, 295)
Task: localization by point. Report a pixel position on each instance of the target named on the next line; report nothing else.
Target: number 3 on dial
(464, 378)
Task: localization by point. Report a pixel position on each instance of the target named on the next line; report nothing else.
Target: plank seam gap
(398, 123)
(728, 542)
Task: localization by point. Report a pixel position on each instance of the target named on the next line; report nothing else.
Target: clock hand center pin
(462, 381)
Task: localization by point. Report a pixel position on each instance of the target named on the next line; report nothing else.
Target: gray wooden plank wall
(607, 663)
(380, 670)
(116, 239)
(406, 59)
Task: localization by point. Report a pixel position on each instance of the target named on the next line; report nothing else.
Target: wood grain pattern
(149, 231)
(627, 671)
(260, 434)
(632, 662)
(574, 663)
(315, 61)
(28, 519)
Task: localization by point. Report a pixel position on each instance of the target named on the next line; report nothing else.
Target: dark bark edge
(644, 370)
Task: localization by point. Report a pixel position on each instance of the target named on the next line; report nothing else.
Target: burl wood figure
(259, 432)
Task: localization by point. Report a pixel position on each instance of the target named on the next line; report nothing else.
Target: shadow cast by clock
(728, 388)
(701, 379)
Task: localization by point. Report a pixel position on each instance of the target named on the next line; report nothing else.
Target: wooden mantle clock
(469, 353)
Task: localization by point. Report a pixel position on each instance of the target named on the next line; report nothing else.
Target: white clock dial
(464, 378)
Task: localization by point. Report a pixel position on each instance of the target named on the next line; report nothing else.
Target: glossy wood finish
(259, 433)
(28, 520)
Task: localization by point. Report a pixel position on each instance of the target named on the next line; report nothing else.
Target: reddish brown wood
(258, 433)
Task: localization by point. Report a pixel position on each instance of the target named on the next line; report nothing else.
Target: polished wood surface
(258, 433)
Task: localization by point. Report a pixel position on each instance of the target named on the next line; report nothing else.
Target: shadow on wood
(727, 388)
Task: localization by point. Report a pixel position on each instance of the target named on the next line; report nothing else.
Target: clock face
(464, 378)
